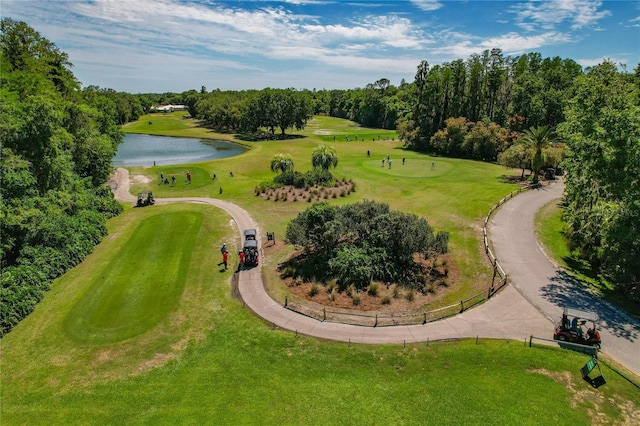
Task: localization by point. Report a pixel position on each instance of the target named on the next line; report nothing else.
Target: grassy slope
(454, 197)
(209, 360)
(203, 358)
(550, 229)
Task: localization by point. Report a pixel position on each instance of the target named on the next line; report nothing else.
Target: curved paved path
(548, 287)
(508, 315)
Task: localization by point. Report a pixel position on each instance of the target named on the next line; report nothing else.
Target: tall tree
(602, 192)
(538, 138)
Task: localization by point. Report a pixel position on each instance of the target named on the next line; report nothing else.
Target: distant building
(169, 108)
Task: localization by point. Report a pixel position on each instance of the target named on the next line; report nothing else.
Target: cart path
(507, 315)
(548, 287)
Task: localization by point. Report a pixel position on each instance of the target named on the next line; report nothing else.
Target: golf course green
(146, 330)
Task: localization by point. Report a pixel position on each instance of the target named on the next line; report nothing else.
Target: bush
(395, 292)
(373, 289)
(357, 299)
(315, 289)
(411, 295)
(386, 299)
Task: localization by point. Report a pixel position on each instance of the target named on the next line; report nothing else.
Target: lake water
(143, 150)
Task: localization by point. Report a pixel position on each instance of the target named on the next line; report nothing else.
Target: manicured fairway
(141, 284)
(454, 196)
(208, 360)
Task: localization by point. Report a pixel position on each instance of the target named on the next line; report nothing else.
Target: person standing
(241, 256)
(225, 258)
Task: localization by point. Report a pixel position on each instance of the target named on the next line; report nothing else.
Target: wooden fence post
(286, 301)
(324, 314)
(461, 306)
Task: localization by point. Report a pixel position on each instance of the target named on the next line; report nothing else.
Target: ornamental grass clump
(374, 289)
(315, 289)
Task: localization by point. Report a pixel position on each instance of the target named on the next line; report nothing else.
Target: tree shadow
(564, 290)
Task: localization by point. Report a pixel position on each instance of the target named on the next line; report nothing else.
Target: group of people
(388, 160)
(165, 181)
(247, 256)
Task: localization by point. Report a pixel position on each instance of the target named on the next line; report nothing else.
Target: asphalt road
(528, 307)
(547, 287)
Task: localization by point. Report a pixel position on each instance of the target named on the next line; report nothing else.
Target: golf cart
(145, 198)
(570, 328)
(250, 247)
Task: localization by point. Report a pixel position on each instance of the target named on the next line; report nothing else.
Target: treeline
(602, 194)
(249, 111)
(57, 146)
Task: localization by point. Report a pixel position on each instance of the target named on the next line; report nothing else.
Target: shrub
(411, 295)
(373, 289)
(287, 271)
(319, 177)
(351, 290)
(395, 292)
(386, 299)
(357, 299)
(315, 289)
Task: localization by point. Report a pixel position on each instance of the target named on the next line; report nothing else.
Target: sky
(157, 46)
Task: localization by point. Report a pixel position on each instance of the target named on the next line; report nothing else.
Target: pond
(147, 150)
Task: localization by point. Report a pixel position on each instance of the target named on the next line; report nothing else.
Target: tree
(364, 241)
(324, 157)
(538, 138)
(518, 156)
(602, 132)
(282, 162)
(58, 143)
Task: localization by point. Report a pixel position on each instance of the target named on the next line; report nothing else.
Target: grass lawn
(550, 229)
(454, 196)
(197, 356)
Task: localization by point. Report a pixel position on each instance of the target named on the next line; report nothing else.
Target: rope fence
(499, 280)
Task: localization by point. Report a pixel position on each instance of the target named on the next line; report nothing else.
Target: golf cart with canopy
(250, 247)
(145, 198)
(570, 328)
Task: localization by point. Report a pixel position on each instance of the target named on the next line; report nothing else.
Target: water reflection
(147, 150)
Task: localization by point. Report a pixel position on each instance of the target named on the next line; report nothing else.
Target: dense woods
(57, 145)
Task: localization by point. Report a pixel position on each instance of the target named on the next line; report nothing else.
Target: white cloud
(462, 45)
(548, 14)
(427, 5)
(591, 62)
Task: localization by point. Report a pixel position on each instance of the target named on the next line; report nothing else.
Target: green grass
(110, 311)
(210, 360)
(453, 197)
(145, 330)
(551, 230)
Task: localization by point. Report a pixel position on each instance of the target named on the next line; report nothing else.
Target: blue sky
(141, 46)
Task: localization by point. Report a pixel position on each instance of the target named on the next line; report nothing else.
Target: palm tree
(538, 138)
(324, 157)
(282, 162)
